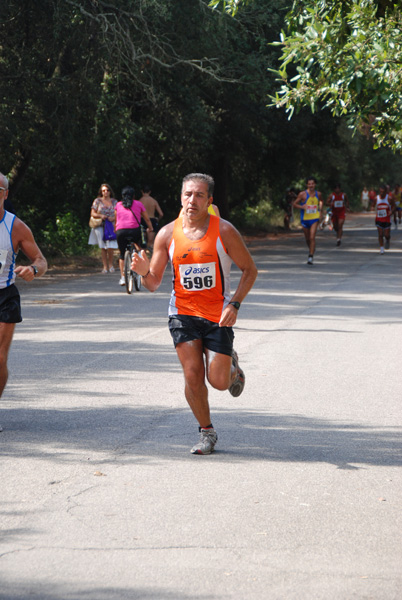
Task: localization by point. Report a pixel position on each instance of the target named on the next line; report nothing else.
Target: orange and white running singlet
(201, 273)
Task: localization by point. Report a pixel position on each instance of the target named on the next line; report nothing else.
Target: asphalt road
(100, 496)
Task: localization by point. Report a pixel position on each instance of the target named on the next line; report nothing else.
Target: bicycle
(132, 279)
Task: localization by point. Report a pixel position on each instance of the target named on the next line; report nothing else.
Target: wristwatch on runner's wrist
(35, 270)
(235, 304)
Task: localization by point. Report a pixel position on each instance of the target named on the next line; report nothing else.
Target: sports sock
(210, 426)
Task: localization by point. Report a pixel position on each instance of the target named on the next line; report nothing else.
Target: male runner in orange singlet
(202, 311)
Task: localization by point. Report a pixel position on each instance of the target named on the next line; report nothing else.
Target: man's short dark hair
(201, 177)
(311, 178)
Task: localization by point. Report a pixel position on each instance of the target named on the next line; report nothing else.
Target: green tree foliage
(346, 56)
(133, 91)
(229, 6)
(82, 85)
(144, 91)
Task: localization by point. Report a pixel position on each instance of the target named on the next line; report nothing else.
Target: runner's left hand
(25, 273)
(229, 316)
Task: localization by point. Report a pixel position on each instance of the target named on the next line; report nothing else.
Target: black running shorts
(382, 225)
(10, 305)
(125, 236)
(184, 328)
(155, 224)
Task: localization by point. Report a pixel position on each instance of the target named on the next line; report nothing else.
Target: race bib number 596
(198, 277)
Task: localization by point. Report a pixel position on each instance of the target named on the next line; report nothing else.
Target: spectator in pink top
(129, 213)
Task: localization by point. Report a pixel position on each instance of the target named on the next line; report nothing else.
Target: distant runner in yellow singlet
(310, 203)
(214, 210)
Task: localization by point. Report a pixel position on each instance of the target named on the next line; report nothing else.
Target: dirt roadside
(73, 266)
(62, 268)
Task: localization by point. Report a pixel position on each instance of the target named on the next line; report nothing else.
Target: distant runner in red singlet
(339, 204)
(202, 309)
(384, 209)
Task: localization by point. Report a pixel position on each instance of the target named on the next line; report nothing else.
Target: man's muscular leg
(6, 336)
(220, 370)
(313, 232)
(309, 234)
(306, 232)
(340, 227)
(380, 236)
(191, 357)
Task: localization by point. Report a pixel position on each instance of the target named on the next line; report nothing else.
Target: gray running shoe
(206, 445)
(240, 380)
(310, 260)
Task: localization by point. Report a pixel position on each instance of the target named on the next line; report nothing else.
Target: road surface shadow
(17, 590)
(151, 434)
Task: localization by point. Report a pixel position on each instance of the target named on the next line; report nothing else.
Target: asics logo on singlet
(196, 270)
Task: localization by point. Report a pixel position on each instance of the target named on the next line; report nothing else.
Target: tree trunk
(383, 5)
(221, 194)
(18, 171)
